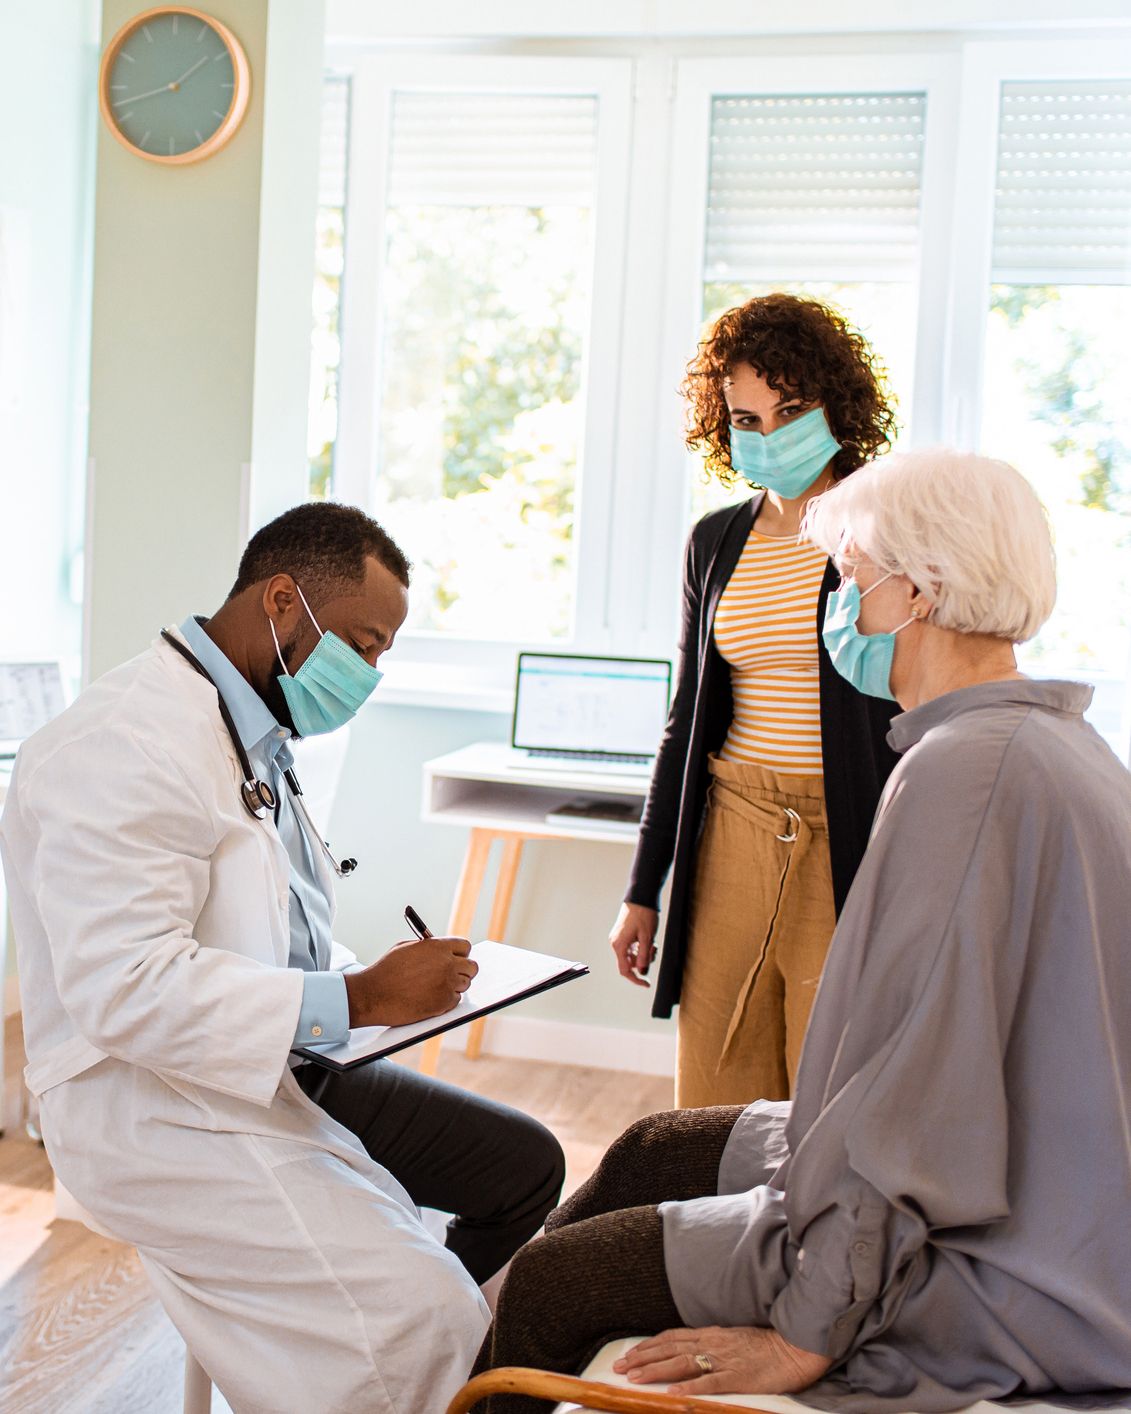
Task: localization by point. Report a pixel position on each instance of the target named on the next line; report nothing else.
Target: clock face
(170, 87)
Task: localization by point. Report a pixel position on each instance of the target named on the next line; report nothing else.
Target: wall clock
(174, 84)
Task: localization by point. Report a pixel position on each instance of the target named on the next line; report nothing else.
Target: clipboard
(506, 975)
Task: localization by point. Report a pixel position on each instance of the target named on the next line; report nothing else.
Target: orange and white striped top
(766, 629)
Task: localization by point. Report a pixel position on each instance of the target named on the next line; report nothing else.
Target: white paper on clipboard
(506, 975)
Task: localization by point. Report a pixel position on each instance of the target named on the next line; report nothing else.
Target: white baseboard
(574, 1043)
(11, 996)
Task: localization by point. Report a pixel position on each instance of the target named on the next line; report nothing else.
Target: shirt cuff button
(316, 1031)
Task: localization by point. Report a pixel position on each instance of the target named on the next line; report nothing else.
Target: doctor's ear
(280, 597)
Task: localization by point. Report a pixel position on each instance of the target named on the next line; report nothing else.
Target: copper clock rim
(241, 90)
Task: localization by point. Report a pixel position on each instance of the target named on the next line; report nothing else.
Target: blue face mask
(863, 658)
(788, 460)
(329, 687)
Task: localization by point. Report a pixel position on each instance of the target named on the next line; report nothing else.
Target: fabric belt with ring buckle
(794, 823)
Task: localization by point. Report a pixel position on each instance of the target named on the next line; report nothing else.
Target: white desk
(478, 788)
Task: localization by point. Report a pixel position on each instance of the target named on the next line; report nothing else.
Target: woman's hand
(741, 1360)
(633, 941)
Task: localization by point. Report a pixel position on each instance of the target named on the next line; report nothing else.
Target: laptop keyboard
(542, 753)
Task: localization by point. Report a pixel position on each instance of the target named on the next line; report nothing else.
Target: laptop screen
(30, 695)
(568, 703)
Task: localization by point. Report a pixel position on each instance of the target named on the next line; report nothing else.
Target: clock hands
(177, 82)
(165, 87)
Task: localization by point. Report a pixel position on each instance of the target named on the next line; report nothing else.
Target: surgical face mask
(329, 687)
(863, 658)
(788, 460)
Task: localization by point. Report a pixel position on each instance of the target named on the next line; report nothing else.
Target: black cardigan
(857, 758)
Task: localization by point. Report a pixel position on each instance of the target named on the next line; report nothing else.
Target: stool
(198, 1387)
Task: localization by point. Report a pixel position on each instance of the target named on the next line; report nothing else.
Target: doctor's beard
(272, 691)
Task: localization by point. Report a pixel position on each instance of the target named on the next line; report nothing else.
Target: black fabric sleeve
(656, 844)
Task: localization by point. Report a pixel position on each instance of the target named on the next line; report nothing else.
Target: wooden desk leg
(462, 916)
(500, 909)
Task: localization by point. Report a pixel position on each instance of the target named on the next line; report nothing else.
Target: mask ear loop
(278, 650)
(916, 616)
(275, 636)
(890, 575)
(306, 606)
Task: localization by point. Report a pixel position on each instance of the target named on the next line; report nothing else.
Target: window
(329, 262)
(1058, 360)
(818, 194)
(534, 244)
(487, 290)
(477, 415)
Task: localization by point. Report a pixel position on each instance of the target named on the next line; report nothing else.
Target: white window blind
(467, 149)
(334, 142)
(814, 187)
(1063, 209)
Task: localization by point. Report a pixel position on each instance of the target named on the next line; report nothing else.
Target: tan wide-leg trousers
(761, 917)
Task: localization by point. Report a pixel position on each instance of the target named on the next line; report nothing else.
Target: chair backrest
(319, 761)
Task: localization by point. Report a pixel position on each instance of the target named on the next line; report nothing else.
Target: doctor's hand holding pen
(418, 978)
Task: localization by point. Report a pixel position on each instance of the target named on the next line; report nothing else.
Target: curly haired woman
(771, 764)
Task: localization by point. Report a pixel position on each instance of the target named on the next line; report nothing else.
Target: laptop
(589, 714)
(30, 695)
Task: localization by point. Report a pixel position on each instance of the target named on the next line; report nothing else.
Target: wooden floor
(80, 1330)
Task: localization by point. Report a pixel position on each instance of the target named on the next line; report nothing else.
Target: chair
(599, 1388)
(585, 1395)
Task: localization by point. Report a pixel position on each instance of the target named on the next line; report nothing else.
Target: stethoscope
(258, 798)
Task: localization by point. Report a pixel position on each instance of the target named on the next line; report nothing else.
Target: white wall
(46, 192)
(46, 224)
(660, 19)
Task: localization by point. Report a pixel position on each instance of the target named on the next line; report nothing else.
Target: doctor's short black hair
(322, 545)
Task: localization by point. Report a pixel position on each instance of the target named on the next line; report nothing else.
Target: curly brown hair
(804, 349)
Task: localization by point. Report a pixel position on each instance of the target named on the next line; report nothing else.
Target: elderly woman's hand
(722, 1360)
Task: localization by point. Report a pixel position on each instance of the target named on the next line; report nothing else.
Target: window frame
(986, 67)
(633, 505)
(697, 83)
(375, 80)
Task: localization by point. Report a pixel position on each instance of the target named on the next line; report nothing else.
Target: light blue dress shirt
(324, 1016)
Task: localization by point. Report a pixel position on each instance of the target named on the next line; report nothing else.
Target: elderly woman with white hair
(942, 1214)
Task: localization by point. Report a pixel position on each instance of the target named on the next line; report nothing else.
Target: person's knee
(641, 1139)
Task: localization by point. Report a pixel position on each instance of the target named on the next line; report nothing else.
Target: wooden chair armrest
(589, 1393)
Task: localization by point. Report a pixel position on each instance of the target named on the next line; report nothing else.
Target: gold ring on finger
(705, 1363)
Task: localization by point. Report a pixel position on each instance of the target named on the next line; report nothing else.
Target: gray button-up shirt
(945, 1210)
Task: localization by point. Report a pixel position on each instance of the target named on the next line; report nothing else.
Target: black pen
(416, 923)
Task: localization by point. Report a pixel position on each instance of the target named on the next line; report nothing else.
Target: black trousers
(499, 1171)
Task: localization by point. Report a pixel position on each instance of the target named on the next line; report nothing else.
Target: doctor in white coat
(173, 928)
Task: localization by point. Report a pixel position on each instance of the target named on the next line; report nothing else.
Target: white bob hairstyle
(968, 531)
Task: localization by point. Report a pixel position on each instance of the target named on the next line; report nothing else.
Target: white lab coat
(151, 916)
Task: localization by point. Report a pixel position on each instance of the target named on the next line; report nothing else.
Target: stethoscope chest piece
(258, 797)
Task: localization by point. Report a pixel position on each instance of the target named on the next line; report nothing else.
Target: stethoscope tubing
(258, 798)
